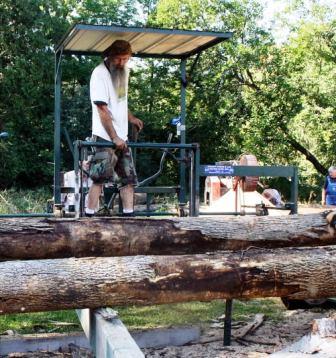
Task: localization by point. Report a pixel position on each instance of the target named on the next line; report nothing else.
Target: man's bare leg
(93, 198)
(127, 198)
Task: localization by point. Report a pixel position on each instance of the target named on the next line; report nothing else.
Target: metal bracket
(107, 335)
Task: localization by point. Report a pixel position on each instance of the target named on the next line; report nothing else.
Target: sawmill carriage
(239, 271)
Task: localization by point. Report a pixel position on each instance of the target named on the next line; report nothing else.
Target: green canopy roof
(146, 42)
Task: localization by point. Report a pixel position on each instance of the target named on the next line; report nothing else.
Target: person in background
(273, 196)
(329, 188)
(110, 117)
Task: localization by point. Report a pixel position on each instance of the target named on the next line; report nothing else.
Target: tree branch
(242, 80)
(309, 156)
(300, 148)
(249, 74)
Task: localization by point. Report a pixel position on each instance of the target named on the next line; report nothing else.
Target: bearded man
(110, 117)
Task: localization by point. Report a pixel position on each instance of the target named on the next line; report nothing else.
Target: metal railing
(192, 158)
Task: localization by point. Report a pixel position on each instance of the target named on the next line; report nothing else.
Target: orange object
(249, 183)
(213, 190)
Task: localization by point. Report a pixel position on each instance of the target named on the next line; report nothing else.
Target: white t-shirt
(102, 90)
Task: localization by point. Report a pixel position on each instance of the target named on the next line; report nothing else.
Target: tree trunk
(43, 285)
(58, 238)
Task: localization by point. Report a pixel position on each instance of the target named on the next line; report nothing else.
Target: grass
(196, 313)
(24, 201)
(24, 323)
(135, 317)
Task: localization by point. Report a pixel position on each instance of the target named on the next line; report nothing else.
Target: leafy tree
(249, 94)
(293, 104)
(30, 30)
(216, 107)
(252, 95)
(26, 88)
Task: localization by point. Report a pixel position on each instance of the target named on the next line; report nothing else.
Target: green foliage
(246, 95)
(27, 87)
(154, 97)
(217, 107)
(24, 201)
(30, 31)
(252, 95)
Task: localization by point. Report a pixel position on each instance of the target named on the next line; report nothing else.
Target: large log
(50, 238)
(39, 285)
(320, 342)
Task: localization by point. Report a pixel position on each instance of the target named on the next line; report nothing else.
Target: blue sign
(224, 170)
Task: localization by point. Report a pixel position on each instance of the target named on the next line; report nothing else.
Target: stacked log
(32, 238)
(60, 264)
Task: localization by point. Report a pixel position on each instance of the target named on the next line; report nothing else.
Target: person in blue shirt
(329, 188)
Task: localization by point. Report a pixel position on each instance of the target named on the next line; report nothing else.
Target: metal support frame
(57, 128)
(182, 194)
(191, 149)
(258, 171)
(27, 215)
(107, 335)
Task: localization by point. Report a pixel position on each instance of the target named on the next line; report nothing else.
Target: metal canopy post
(57, 128)
(182, 194)
(197, 179)
(227, 322)
(294, 191)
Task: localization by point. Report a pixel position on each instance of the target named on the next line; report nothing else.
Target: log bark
(320, 342)
(31, 238)
(44, 285)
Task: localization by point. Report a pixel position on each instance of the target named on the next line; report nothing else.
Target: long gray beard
(119, 78)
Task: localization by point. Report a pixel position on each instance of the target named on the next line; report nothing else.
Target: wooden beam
(45, 285)
(50, 238)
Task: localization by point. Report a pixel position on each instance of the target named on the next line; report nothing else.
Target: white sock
(127, 211)
(89, 211)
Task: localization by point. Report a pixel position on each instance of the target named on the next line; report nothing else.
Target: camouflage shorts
(113, 165)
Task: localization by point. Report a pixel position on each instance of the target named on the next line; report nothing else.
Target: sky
(274, 10)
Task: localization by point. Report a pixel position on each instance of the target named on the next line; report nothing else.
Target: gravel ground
(268, 338)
